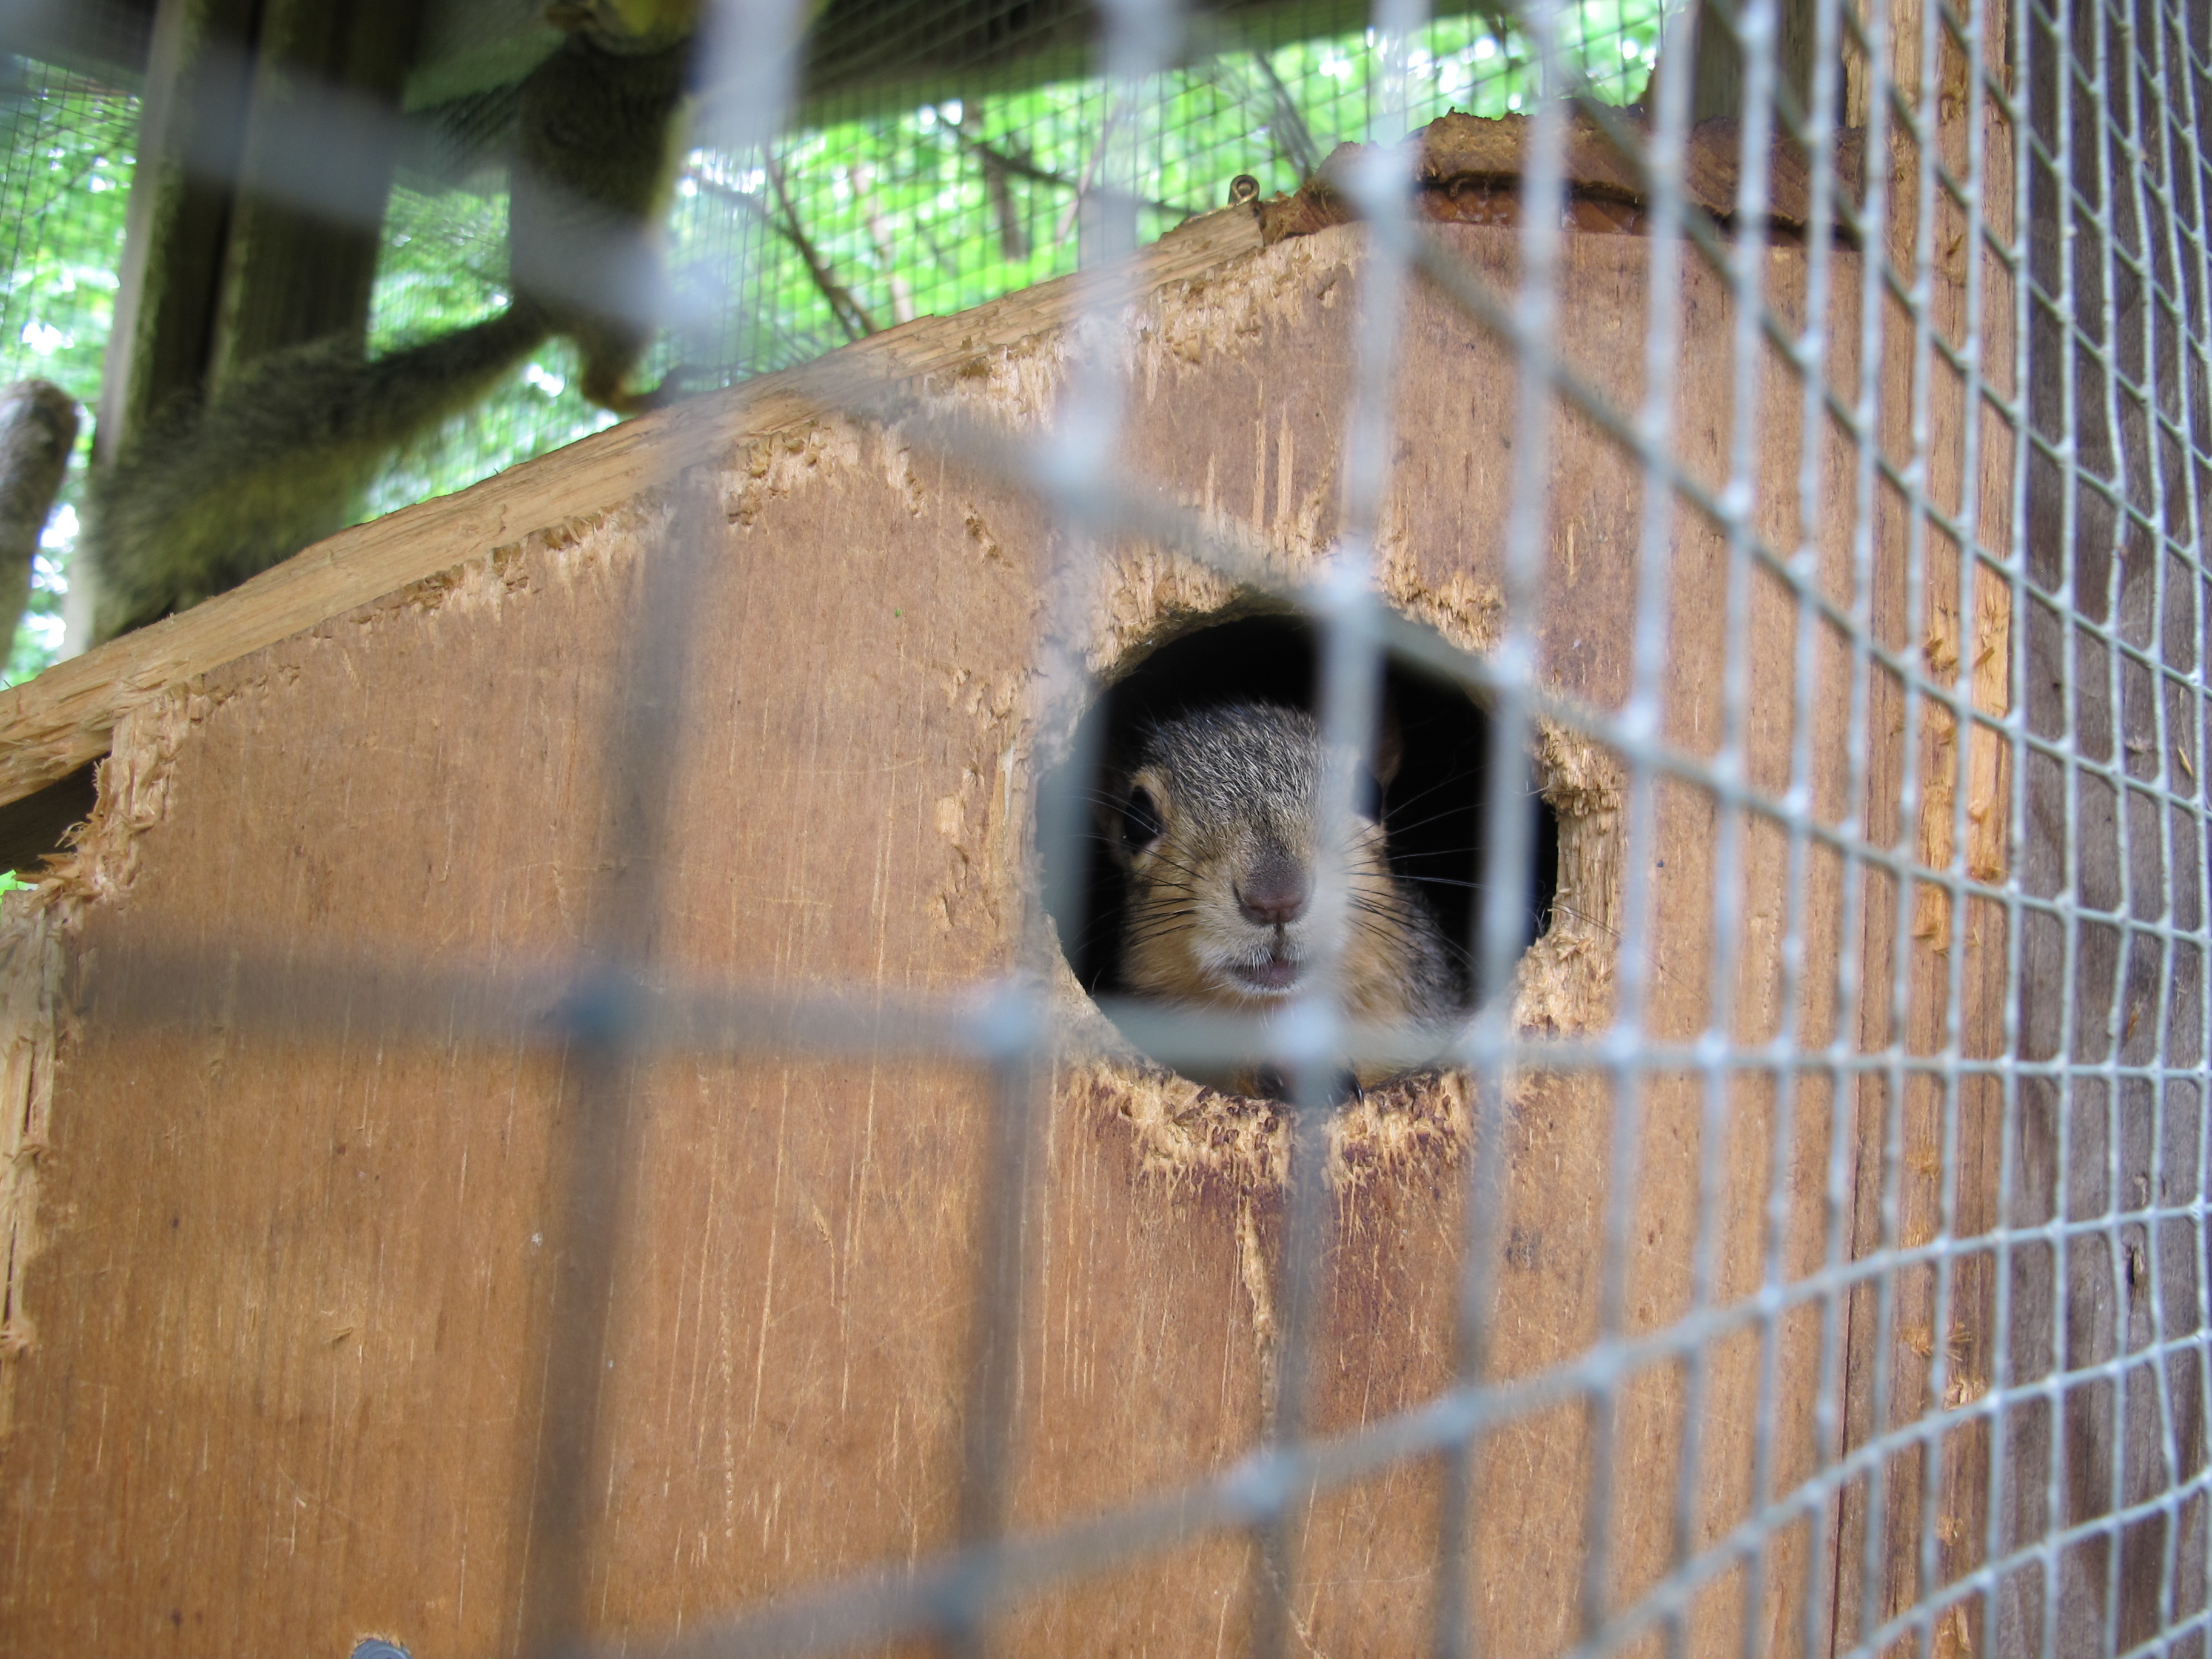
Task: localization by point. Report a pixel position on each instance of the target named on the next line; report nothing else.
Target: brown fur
(1222, 804)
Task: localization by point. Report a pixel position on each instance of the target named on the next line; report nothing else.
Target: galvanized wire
(2126, 448)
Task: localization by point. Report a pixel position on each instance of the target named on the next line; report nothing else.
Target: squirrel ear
(1389, 744)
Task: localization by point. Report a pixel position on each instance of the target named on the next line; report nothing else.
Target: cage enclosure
(419, 775)
(569, 1090)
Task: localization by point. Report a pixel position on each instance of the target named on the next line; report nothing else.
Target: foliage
(63, 195)
(846, 229)
(934, 209)
(443, 266)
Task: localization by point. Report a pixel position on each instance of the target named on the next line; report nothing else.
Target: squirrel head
(1216, 827)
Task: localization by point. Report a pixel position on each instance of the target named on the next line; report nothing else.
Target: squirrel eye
(1141, 824)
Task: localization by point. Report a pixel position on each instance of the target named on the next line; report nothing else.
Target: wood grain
(63, 718)
(2089, 994)
(289, 1301)
(1935, 972)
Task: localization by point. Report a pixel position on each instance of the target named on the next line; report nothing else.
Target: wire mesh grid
(879, 205)
(884, 204)
(69, 142)
(1975, 892)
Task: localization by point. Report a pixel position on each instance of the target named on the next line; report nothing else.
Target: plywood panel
(1939, 792)
(290, 1300)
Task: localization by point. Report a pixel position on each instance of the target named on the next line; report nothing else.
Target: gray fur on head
(1219, 831)
(1255, 764)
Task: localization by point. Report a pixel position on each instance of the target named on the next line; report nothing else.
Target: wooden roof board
(58, 722)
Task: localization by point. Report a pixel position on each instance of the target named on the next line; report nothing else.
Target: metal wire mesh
(68, 147)
(874, 211)
(1949, 922)
(887, 204)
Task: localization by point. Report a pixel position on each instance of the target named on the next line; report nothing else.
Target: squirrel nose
(1273, 891)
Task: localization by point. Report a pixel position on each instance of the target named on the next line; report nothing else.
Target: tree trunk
(37, 429)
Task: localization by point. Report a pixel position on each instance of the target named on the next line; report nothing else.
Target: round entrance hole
(1432, 802)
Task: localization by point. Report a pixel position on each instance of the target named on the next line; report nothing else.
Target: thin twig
(880, 233)
(1288, 128)
(1013, 234)
(791, 233)
(992, 156)
(1115, 109)
(849, 311)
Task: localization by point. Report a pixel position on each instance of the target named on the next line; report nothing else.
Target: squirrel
(1214, 827)
(279, 457)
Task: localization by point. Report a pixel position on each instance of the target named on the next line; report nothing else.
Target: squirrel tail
(276, 460)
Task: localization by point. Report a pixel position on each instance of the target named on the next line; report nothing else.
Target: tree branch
(1025, 169)
(849, 311)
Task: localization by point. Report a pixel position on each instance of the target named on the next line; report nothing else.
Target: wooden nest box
(282, 1246)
